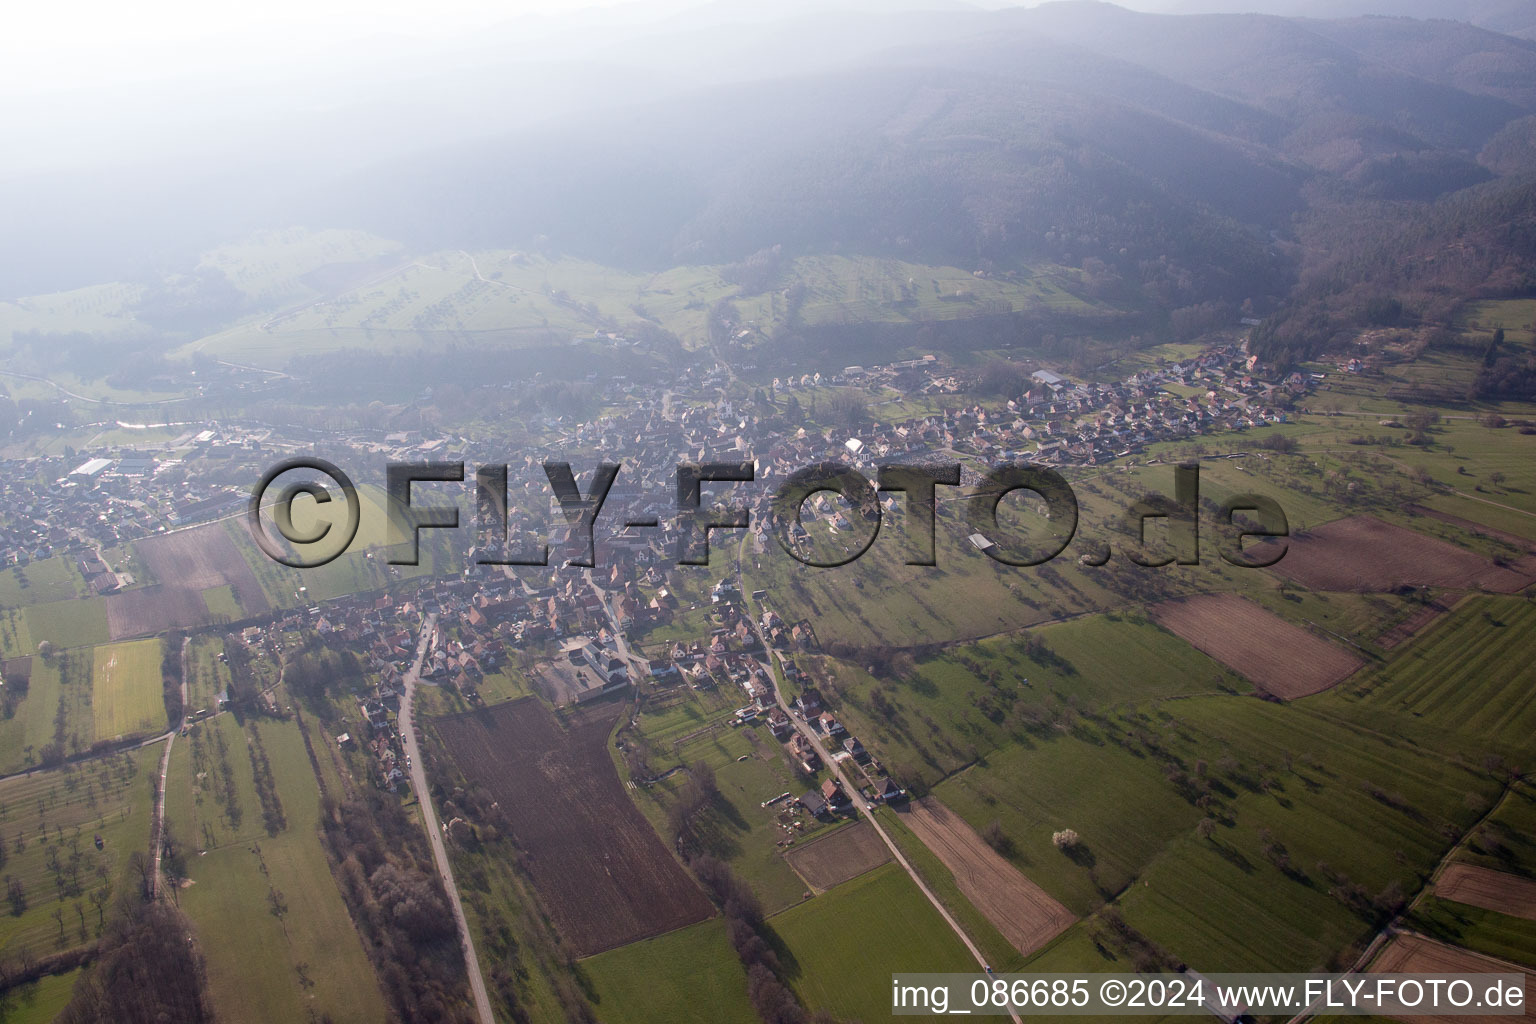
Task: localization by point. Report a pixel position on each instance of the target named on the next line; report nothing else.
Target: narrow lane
(804, 728)
(434, 832)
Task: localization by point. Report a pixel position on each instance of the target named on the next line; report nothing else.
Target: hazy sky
(74, 43)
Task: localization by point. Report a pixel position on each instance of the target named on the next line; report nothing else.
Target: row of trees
(386, 877)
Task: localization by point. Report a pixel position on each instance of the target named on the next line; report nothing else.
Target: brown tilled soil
(183, 564)
(1489, 889)
(1364, 554)
(846, 853)
(153, 609)
(1278, 657)
(1026, 915)
(599, 867)
(1415, 954)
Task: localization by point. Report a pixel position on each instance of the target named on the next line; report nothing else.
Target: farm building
(90, 469)
(813, 803)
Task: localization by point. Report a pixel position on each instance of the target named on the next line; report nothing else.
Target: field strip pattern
(1024, 913)
(1499, 891)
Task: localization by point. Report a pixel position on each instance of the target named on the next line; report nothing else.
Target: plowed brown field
(600, 868)
(1277, 656)
(1025, 913)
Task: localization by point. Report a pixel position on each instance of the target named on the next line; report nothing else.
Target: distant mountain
(1065, 132)
(947, 165)
(1173, 154)
(1511, 17)
(1473, 60)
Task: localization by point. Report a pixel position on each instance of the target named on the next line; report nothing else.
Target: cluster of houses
(118, 495)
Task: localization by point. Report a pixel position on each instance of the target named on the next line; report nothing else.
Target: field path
(852, 791)
(1026, 914)
(435, 834)
(157, 825)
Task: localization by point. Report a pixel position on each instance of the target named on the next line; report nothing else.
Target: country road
(852, 791)
(435, 833)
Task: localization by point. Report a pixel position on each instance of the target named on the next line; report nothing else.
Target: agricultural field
(103, 309)
(1504, 936)
(1515, 316)
(688, 975)
(932, 715)
(1267, 886)
(244, 804)
(511, 298)
(183, 565)
(881, 917)
(1274, 655)
(1469, 675)
(60, 705)
(1488, 889)
(362, 568)
(1017, 907)
(1414, 954)
(1363, 553)
(52, 579)
(276, 267)
(39, 1002)
(750, 768)
(73, 623)
(1130, 783)
(64, 884)
(834, 858)
(598, 865)
(126, 695)
(1507, 839)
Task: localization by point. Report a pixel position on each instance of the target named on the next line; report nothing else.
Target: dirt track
(1025, 913)
(1489, 889)
(1279, 657)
